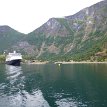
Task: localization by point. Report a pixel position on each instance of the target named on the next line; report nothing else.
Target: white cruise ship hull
(15, 62)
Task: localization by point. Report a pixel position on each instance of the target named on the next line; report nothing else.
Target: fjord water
(51, 85)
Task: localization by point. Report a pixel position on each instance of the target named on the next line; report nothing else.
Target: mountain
(82, 36)
(8, 38)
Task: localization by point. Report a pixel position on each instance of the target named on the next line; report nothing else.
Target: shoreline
(82, 62)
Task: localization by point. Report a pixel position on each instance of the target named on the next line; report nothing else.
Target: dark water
(70, 85)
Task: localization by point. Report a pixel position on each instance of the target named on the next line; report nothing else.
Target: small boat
(13, 58)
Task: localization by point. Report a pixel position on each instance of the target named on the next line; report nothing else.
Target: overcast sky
(27, 15)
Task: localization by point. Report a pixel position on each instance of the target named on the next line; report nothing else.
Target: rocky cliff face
(83, 33)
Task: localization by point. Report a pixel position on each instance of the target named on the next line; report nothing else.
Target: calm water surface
(69, 85)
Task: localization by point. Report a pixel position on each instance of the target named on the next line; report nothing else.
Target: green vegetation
(34, 39)
(65, 23)
(8, 37)
(81, 37)
(2, 58)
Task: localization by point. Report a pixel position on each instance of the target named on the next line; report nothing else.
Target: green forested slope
(82, 36)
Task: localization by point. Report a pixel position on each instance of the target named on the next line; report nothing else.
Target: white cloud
(27, 15)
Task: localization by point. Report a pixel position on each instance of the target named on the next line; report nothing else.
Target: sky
(27, 15)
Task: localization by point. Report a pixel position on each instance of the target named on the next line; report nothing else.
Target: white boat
(13, 58)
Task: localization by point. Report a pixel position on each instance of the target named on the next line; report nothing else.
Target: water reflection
(78, 85)
(74, 85)
(14, 79)
(14, 74)
(14, 93)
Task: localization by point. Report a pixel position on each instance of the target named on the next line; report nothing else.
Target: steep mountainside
(8, 38)
(81, 36)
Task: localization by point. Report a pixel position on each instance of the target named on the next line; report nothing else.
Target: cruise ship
(14, 58)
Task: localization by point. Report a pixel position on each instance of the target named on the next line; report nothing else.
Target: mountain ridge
(75, 37)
